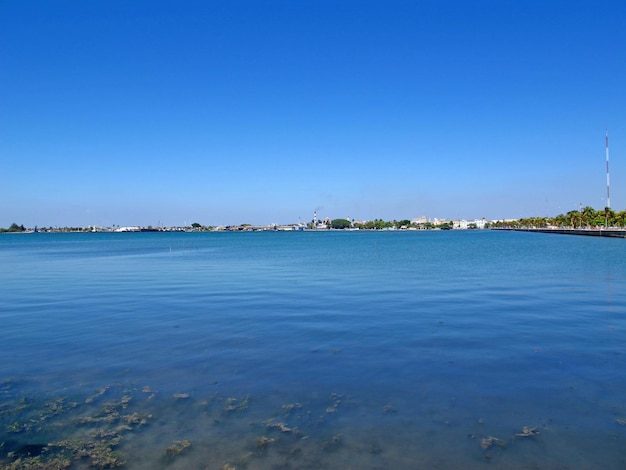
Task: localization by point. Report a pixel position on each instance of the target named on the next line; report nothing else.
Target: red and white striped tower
(608, 184)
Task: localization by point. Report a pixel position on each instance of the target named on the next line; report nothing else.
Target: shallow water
(315, 350)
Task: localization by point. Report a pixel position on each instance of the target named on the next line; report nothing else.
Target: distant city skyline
(223, 113)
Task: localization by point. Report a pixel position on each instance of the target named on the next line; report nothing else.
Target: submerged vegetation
(56, 433)
(105, 430)
(101, 430)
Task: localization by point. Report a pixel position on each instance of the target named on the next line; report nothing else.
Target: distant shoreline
(589, 232)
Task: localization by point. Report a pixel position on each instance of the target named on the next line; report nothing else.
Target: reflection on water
(361, 350)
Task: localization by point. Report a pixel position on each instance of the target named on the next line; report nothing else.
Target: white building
(465, 224)
(419, 220)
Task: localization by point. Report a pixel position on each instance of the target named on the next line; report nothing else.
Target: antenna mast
(608, 185)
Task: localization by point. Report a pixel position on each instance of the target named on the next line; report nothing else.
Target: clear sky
(227, 112)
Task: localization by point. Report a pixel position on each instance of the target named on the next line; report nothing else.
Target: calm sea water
(335, 350)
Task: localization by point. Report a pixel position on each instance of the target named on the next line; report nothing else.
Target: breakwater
(589, 232)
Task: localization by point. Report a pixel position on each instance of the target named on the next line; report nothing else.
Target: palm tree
(587, 215)
(575, 218)
(609, 217)
(620, 218)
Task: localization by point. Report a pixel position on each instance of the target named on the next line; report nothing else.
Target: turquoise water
(313, 350)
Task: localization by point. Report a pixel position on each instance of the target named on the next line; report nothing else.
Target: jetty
(588, 232)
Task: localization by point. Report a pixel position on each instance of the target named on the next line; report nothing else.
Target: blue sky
(229, 112)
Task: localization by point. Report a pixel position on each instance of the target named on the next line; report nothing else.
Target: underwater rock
(38, 463)
(487, 442)
(333, 443)
(100, 453)
(528, 432)
(263, 441)
(177, 448)
(336, 399)
(282, 427)
(234, 404)
(288, 408)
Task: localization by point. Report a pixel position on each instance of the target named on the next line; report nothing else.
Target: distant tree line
(380, 224)
(14, 228)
